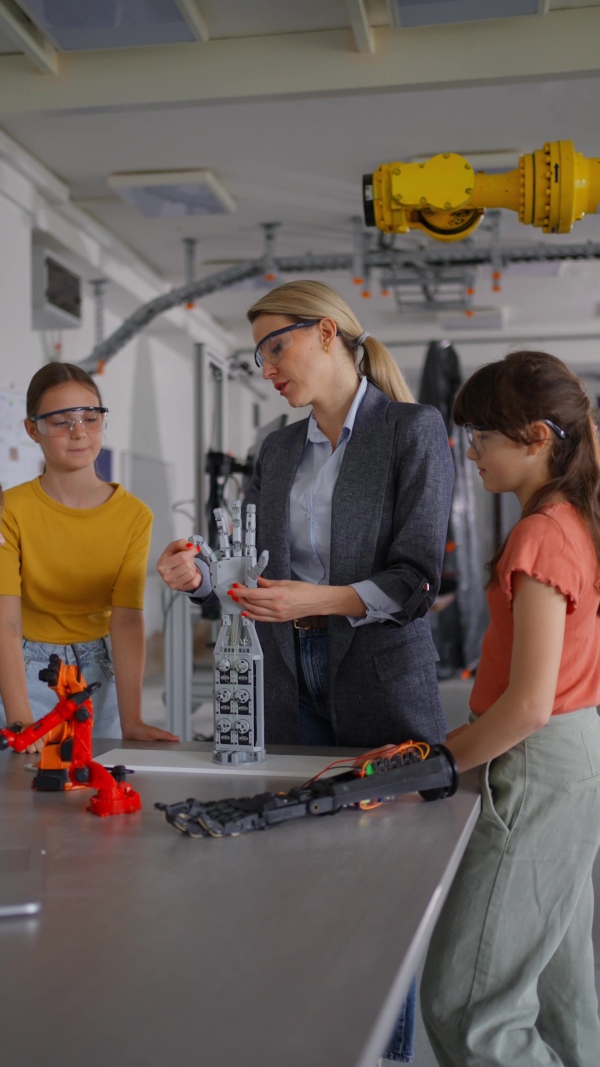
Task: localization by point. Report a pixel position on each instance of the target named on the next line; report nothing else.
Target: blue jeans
(312, 661)
(96, 666)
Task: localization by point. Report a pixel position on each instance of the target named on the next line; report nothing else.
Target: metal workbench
(286, 948)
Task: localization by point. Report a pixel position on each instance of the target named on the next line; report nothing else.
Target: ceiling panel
(411, 13)
(78, 25)
(238, 18)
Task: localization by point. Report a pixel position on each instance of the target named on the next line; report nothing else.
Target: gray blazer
(389, 523)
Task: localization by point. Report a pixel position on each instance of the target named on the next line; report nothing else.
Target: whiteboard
(195, 762)
(20, 458)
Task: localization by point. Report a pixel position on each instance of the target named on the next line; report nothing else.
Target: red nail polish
(236, 598)
(244, 614)
(230, 592)
(235, 585)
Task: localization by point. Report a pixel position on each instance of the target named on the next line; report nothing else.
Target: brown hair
(526, 387)
(315, 300)
(56, 374)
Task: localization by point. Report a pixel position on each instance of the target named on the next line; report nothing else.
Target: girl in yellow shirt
(73, 566)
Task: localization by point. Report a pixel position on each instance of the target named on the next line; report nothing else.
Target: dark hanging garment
(459, 627)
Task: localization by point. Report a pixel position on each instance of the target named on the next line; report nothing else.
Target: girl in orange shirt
(509, 977)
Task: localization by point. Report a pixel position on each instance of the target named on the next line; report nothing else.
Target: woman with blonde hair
(352, 503)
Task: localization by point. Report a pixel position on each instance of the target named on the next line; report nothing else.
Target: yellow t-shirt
(70, 566)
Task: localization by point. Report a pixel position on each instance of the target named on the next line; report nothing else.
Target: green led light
(369, 769)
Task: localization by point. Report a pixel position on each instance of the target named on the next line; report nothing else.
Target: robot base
(124, 801)
(236, 756)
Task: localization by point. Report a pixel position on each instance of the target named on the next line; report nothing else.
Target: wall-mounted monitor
(56, 292)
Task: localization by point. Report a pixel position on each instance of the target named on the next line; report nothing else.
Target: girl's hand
(141, 731)
(34, 749)
(177, 568)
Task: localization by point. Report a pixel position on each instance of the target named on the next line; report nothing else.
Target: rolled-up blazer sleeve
(423, 482)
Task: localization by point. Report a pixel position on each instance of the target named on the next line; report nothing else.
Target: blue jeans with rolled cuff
(312, 663)
(96, 666)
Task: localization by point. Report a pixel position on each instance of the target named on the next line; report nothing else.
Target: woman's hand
(177, 568)
(283, 601)
(141, 731)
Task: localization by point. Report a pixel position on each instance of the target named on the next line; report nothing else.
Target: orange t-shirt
(554, 546)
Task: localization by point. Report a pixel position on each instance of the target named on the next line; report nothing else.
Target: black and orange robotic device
(66, 760)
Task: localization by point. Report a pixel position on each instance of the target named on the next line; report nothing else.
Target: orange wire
(419, 746)
(386, 752)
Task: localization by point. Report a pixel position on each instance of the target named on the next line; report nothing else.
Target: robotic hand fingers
(205, 549)
(255, 572)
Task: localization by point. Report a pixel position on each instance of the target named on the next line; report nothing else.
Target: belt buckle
(297, 627)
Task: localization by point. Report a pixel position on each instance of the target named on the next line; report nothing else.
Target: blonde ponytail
(380, 367)
(303, 300)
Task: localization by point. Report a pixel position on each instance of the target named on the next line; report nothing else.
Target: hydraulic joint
(552, 188)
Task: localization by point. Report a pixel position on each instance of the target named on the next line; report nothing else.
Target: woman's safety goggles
(61, 423)
(272, 347)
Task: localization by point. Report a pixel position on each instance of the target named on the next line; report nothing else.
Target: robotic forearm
(374, 778)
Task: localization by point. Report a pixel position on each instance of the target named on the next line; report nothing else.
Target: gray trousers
(509, 976)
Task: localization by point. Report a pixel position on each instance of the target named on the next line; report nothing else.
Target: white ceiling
(299, 161)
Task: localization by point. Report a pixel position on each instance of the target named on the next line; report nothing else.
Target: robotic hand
(238, 659)
(234, 562)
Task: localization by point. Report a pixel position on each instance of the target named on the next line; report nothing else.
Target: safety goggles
(480, 437)
(62, 422)
(272, 347)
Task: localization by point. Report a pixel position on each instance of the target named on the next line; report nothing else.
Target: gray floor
(455, 695)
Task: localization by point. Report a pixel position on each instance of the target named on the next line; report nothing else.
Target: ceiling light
(80, 25)
(173, 193)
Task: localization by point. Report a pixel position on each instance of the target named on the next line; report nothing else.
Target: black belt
(311, 622)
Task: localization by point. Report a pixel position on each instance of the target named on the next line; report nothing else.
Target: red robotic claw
(114, 796)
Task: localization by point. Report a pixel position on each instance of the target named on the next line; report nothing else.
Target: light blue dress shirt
(310, 519)
(310, 515)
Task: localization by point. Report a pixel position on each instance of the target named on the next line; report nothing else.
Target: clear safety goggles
(480, 437)
(62, 422)
(275, 344)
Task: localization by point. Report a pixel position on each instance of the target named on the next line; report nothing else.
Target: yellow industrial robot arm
(551, 188)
